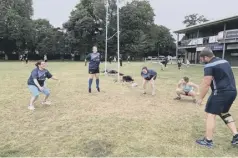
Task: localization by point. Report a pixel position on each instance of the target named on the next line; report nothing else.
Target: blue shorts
(221, 102)
(35, 91)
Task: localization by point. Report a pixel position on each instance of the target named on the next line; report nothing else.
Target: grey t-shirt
(40, 75)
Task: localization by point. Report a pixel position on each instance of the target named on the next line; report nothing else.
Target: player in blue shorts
(93, 68)
(36, 83)
(148, 75)
(219, 76)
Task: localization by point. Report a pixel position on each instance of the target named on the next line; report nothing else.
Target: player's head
(185, 79)
(40, 64)
(95, 49)
(206, 55)
(144, 70)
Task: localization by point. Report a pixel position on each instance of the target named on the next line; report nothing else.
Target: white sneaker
(31, 107)
(46, 103)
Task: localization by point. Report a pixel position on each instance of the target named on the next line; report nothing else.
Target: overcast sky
(169, 13)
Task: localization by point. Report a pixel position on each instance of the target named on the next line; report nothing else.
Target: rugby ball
(134, 85)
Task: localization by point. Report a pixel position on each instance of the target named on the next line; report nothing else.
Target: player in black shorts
(148, 75)
(219, 76)
(179, 64)
(93, 66)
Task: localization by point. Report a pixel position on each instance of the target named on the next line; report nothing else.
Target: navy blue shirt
(223, 77)
(149, 75)
(40, 75)
(94, 61)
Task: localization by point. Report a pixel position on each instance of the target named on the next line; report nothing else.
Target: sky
(169, 13)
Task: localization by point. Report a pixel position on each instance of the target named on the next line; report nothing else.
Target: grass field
(119, 121)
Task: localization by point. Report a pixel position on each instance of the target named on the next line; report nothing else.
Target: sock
(97, 83)
(209, 141)
(90, 81)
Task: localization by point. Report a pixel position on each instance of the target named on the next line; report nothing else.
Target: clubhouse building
(220, 35)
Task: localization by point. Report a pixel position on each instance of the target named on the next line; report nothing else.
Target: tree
(84, 28)
(19, 32)
(15, 24)
(194, 19)
(47, 39)
(161, 39)
(136, 19)
(138, 33)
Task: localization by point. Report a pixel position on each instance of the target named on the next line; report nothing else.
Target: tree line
(139, 35)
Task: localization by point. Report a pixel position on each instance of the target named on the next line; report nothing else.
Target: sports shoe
(46, 103)
(205, 142)
(235, 140)
(177, 98)
(89, 90)
(31, 107)
(98, 89)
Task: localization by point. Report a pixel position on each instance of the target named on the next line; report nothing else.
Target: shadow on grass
(98, 148)
(9, 153)
(187, 100)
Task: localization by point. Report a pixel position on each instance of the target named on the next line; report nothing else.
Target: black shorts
(221, 102)
(163, 62)
(149, 78)
(93, 71)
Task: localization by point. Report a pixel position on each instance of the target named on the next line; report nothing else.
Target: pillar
(196, 48)
(177, 45)
(224, 44)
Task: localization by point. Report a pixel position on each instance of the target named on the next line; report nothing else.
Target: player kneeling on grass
(129, 79)
(112, 72)
(36, 83)
(186, 88)
(148, 76)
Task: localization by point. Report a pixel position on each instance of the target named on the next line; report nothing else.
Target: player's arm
(154, 74)
(101, 57)
(54, 78)
(195, 86)
(50, 76)
(142, 75)
(179, 84)
(34, 75)
(206, 82)
(37, 83)
(88, 57)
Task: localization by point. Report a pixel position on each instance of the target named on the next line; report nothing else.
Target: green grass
(119, 121)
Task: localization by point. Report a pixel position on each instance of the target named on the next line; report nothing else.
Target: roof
(208, 23)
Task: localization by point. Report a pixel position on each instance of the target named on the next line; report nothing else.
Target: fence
(38, 57)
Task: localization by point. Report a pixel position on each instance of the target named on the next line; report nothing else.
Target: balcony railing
(229, 36)
(198, 41)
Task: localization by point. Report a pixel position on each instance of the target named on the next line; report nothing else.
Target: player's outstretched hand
(199, 102)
